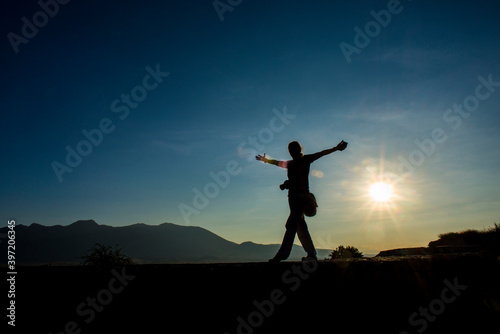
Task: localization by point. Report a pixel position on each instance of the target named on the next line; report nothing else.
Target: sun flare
(381, 192)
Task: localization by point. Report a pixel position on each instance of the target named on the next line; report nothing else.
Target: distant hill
(164, 243)
(489, 237)
(467, 241)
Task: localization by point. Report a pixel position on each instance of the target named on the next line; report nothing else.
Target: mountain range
(164, 243)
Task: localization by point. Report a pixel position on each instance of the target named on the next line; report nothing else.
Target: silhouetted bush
(105, 257)
(348, 252)
(487, 237)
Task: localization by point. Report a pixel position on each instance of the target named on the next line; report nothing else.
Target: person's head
(295, 149)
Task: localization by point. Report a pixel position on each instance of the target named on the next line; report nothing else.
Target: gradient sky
(225, 79)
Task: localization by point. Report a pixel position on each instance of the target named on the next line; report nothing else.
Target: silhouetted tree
(348, 252)
(105, 257)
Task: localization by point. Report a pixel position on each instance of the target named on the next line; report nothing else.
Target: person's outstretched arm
(340, 147)
(278, 163)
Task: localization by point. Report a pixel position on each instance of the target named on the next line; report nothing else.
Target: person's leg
(291, 230)
(287, 243)
(305, 238)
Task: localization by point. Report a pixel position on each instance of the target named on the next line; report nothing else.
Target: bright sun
(381, 191)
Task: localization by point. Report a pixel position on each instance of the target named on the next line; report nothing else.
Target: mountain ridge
(163, 243)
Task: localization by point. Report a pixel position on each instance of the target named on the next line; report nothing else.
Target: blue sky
(227, 81)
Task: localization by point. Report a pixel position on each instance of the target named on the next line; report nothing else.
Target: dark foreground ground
(441, 294)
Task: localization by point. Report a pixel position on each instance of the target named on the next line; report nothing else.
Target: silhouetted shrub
(348, 252)
(105, 257)
(487, 237)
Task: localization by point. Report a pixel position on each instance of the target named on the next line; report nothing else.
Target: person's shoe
(310, 258)
(276, 259)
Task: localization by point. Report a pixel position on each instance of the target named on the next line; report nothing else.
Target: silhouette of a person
(298, 197)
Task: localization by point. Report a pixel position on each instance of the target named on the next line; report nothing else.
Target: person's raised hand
(341, 146)
(261, 157)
